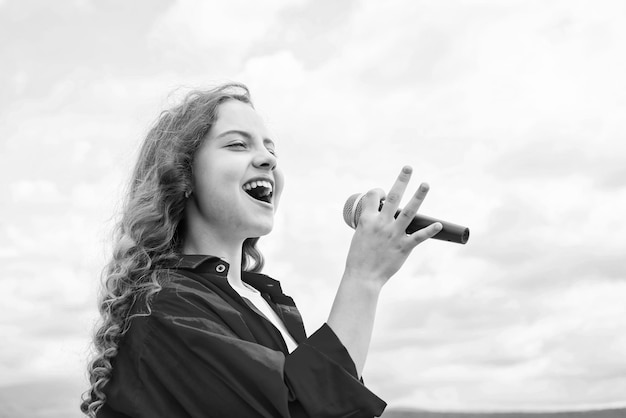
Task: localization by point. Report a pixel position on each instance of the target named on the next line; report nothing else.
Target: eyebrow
(246, 135)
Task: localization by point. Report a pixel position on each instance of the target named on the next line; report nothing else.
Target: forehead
(236, 115)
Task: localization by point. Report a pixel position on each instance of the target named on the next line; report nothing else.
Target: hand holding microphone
(450, 232)
(387, 235)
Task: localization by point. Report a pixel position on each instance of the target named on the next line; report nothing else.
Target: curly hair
(151, 226)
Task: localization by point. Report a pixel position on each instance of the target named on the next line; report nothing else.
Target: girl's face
(237, 184)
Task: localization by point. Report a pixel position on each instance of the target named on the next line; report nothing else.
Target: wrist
(363, 281)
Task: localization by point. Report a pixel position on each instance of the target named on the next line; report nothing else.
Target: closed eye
(237, 145)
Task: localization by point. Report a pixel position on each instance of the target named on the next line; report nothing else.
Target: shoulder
(174, 280)
(188, 304)
(182, 285)
(185, 294)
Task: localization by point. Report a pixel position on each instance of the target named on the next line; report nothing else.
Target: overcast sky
(513, 111)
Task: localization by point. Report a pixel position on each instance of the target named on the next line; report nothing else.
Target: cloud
(212, 39)
(56, 398)
(71, 36)
(489, 338)
(41, 191)
(561, 156)
(513, 113)
(313, 32)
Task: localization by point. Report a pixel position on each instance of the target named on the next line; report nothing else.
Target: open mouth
(260, 190)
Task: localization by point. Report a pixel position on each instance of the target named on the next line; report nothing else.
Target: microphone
(450, 232)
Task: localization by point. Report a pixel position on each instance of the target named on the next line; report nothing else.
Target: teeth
(254, 184)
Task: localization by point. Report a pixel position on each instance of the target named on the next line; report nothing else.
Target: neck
(228, 250)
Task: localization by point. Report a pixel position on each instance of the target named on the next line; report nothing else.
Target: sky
(513, 111)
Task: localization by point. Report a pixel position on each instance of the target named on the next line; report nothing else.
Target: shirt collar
(199, 263)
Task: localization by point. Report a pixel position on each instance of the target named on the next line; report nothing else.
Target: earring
(187, 194)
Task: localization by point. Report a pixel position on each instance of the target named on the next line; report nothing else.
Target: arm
(379, 247)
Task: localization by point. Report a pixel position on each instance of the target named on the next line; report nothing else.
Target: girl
(190, 327)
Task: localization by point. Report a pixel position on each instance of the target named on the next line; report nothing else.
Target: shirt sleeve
(323, 362)
(195, 360)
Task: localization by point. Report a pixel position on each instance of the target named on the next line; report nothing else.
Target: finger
(371, 201)
(423, 234)
(392, 201)
(408, 213)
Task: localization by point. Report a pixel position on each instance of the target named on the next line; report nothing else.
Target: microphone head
(352, 209)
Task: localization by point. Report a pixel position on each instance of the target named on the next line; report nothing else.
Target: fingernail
(407, 169)
(438, 226)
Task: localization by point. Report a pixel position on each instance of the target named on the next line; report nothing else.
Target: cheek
(208, 187)
(279, 182)
(212, 174)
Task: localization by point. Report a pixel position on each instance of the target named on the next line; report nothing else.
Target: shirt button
(220, 268)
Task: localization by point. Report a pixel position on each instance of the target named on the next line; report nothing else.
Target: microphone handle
(450, 232)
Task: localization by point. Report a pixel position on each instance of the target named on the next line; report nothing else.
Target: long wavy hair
(150, 231)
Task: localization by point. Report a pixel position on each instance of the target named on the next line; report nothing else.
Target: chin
(265, 231)
(261, 230)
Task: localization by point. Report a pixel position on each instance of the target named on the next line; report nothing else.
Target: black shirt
(204, 351)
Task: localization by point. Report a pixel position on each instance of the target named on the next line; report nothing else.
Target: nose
(265, 159)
